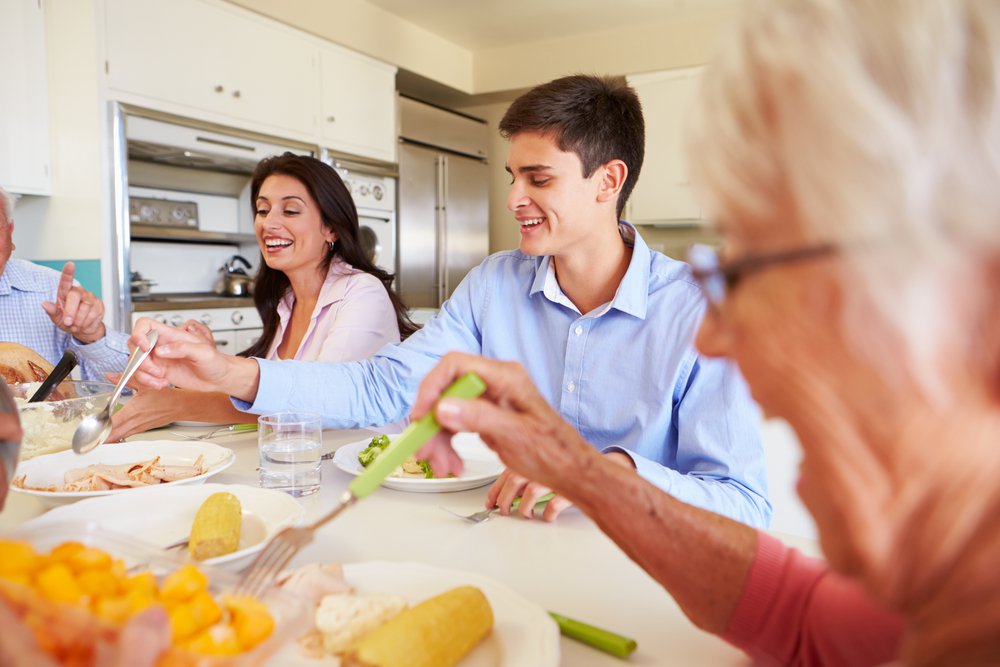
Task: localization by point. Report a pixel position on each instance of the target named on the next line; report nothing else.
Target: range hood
(186, 146)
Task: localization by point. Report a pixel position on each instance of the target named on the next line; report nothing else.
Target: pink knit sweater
(795, 611)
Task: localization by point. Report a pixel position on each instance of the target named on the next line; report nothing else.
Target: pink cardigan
(795, 611)
(353, 318)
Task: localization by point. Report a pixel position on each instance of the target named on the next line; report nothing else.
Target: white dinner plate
(161, 516)
(523, 632)
(49, 469)
(481, 466)
(190, 423)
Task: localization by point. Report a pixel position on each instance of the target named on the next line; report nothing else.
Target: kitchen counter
(189, 301)
(568, 566)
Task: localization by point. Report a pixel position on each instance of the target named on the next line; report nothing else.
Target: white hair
(7, 204)
(869, 122)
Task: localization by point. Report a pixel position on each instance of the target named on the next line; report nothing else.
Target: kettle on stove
(232, 280)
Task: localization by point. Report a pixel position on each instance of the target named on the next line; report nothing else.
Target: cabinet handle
(331, 119)
(221, 343)
(236, 93)
(219, 89)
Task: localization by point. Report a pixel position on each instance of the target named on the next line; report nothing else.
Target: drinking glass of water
(290, 444)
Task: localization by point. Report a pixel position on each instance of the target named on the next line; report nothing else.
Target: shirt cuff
(106, 351)
(273, 389)
(648, 470)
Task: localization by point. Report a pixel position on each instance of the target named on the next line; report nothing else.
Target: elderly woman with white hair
(850, 153)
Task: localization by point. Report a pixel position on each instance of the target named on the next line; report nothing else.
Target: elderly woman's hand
(511, 417)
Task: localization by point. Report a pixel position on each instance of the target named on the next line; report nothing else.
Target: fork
(232, 428)
(487, 514)
(272, 559)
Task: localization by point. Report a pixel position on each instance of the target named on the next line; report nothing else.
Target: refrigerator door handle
(441, 218)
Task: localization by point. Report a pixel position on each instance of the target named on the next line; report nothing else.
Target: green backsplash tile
(88, 272)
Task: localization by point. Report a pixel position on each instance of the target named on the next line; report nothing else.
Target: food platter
(161, 516)
(523, 633)
(49, 469)
(481, 466)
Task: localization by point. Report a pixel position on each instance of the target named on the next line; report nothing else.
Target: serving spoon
(95, 428)
(58, 374)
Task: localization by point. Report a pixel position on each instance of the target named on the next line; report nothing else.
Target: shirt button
(578, 330)
(570, 387)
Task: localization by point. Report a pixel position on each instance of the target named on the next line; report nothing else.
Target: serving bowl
(49, 425)
(136, 557)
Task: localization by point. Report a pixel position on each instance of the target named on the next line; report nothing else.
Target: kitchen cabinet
(663, 195)
(358, 113)
(24, 114)
(206, 60)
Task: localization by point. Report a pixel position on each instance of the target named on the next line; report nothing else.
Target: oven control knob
(377, 192)
(162, 319)
(364, 190)
(237, 317)
(176, 320)
(206, 319)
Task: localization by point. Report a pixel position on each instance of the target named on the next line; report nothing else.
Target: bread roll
(22, 364)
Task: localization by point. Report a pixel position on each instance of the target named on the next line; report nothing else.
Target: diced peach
(183, 624)
(183, 584)
(89, 558)
(56, 583)
(205, 609)
(114, 609)
(65, 551)
(17, 558)
(98, 583)
(143, 582)
(219, 640)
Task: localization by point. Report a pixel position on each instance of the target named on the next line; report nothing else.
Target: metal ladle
(96, 428)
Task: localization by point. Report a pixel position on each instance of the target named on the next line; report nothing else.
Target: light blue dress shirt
(23, 288)
(626, 375)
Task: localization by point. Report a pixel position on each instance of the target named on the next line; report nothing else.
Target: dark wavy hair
(338, 214)
(598, 118)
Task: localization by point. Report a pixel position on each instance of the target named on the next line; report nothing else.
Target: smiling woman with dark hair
(319, 296)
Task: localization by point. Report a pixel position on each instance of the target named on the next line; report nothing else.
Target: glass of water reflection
(290, 446)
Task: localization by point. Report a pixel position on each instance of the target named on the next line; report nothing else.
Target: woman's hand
(148, 409)
(511, 418)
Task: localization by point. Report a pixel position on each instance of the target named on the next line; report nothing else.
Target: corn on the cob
(438, 632)
(216, 527)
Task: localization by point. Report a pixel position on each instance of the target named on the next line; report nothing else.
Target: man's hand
(189, 359)
(511, 418)
(510, 485)
(76, 311)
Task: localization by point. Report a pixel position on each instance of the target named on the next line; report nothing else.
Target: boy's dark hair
(598, 118)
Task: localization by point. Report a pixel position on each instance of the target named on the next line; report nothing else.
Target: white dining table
(568, 566)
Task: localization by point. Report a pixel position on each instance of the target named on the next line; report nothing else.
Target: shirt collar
(14, 277)
(332, 290)
(632, 295)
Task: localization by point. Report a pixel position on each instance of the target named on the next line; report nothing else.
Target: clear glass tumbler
(290, 446)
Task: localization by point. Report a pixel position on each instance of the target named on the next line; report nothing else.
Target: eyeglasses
(718, 278)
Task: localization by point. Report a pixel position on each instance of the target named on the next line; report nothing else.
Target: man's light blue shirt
(23, 288)
(626, 375)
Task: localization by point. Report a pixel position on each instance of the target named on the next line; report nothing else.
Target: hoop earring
(333, 245)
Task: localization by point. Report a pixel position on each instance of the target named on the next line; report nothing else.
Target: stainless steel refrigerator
(443, 201)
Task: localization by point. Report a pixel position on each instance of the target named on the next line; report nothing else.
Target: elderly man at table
(852, 151)
(46, 311)
(604, 324)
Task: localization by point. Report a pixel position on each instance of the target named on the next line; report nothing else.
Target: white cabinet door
(663, 193)
(226, 341)
(358, 104)
(24, 112)
(207, 60)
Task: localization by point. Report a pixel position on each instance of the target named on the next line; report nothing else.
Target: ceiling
(486, 24)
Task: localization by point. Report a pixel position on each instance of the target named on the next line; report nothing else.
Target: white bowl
(49, 470)
(161, 516)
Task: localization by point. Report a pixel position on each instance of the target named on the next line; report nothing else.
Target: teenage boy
(603, 325)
